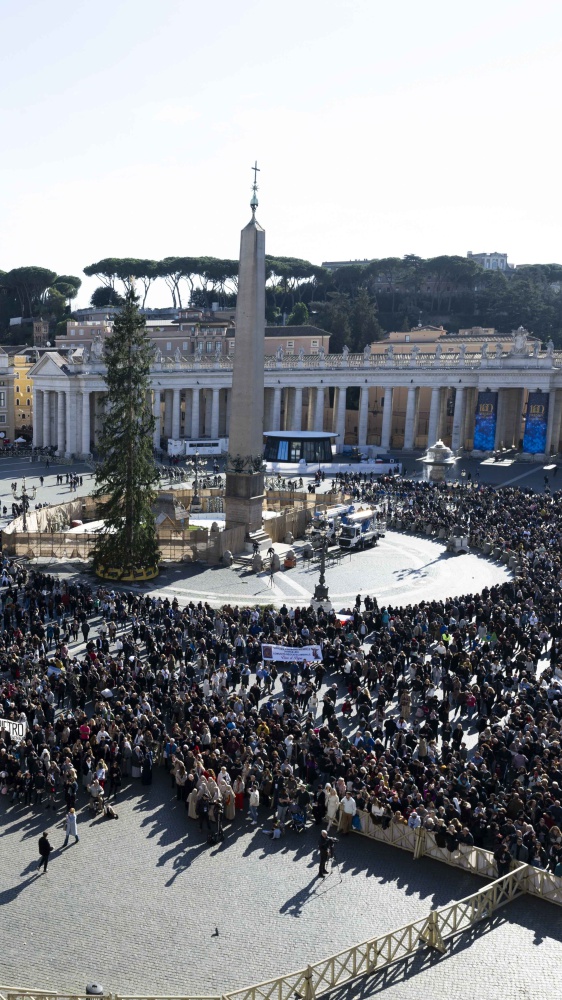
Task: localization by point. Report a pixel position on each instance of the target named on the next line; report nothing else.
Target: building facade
(7, 426)
(23, 394)
(396, 400)
(193, 333)
(491, 261)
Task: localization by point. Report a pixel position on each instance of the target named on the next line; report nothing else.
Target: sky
(130, 128)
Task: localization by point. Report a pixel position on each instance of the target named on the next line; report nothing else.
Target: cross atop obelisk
(254, 201)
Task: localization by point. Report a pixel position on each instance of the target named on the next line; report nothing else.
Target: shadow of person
(294, 905)
(181, 864)
(9, 895)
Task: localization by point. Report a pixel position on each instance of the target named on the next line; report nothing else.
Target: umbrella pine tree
(126, 478)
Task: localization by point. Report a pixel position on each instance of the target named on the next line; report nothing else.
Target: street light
(321, 590)
(195, 506)
(25, 497)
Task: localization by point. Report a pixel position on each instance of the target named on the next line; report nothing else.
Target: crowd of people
(443, 714)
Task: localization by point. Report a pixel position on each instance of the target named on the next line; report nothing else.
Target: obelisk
(244, 475)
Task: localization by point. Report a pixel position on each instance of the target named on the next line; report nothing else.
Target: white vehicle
(328, 524)
(361, 529)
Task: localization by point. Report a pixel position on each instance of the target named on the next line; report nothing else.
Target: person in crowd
(456, 702)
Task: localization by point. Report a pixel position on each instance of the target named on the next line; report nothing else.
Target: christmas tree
(126, 478)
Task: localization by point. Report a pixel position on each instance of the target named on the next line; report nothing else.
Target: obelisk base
(243, 501)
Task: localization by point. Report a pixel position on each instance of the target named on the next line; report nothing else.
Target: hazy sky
(129, 128)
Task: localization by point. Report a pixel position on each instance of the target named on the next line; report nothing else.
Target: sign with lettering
(17, 730)
(291, 654)
(534, 439)
(485, 421)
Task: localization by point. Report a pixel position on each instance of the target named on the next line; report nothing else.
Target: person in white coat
(71, 827)
(332, 805)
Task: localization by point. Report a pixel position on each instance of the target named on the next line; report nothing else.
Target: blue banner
(534, 439)
(485, 421)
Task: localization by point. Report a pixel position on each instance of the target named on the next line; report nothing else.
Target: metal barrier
(376, 953)
(475, 860)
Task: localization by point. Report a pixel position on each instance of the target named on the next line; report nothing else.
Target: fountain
(437, 459)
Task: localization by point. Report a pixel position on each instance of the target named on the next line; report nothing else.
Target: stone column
(156, 413)
(498, 441)
(339, 426)
(207, 412)
(550, 421)
(187, 409)
(85, 449)
(99, 416)
(175, 414)
(434, 410)
(556, 420)
(268, 409)
(387, 419)
(227, 409)
(71, 419)
(458, 419)
(319, 409)
(215, 414)
(61, 423)
(46, 418)
(470, 415)
(311, 410)
(37, 418)
(195, 396)
(168, 396)
(276, 413)
(410, 423)
(295, 412)
(363, 416)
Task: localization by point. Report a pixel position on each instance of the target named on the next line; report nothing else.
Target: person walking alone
(44, 851)
(71, 826)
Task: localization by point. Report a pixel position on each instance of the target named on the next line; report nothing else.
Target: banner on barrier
(290, 654)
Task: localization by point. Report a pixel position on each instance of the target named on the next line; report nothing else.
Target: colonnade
(327, 409)
(400, 416)
(65, 419)
(190, 413)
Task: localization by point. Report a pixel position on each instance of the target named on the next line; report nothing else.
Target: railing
(376, 953)
(421, 843)
(293, 362)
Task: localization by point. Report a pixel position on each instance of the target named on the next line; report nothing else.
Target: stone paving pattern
(134, 905)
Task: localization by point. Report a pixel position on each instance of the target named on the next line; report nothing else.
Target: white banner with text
(291, 654)
(17, 730)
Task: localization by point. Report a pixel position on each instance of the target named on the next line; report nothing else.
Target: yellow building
(23, 395)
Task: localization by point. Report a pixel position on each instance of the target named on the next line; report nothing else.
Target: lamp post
(25, 497)
(321, 590)
(195, 506)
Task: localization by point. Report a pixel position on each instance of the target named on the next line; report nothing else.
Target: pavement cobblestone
(134, 905)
